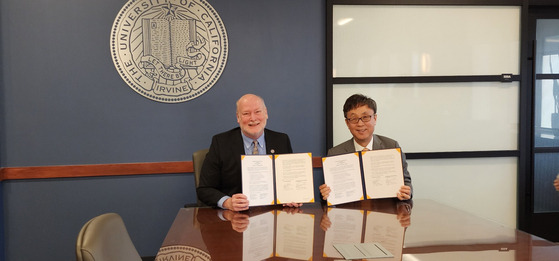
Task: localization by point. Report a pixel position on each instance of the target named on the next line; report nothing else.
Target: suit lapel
(270, 142)
(377, 143)
(237, 142)
(349, 146)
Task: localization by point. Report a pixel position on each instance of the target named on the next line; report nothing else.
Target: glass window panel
(380, 40)
(547, 38)
(546, 168)
(438, 117)
(547, 113)
(464, 183)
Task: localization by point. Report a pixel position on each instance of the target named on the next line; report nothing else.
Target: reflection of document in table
(383, 172)
(258, 179)
(258, 238)
(346, 227)
(385, 229)
(342, 173)
(294, 235)
(294, 178)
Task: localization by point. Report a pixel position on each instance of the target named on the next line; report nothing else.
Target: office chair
(105, 238)
(197, 161)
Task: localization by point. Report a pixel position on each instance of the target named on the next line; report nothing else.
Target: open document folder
(363, 175)
(350, 228)
(280, 234)
(277, 179)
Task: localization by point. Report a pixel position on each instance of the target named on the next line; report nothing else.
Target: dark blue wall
(2, 136)
(64, 103)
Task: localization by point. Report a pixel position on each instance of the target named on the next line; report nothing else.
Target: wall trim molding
(95, 170)
(104, 170)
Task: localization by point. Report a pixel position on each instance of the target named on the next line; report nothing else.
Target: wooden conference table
(418, 230)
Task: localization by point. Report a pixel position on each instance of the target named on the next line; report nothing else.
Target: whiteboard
(403, 40)
(438, 117)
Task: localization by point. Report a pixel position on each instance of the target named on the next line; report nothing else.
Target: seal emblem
(169, 51)
(179, 252)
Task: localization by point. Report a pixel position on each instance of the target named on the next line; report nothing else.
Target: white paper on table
(295, 235)
(342, 173)
(258, 179)
(346, 227)
(294, 178)
(258, 238)
(383, 172)
(363, 250)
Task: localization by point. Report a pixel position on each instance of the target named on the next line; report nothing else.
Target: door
(544, 211)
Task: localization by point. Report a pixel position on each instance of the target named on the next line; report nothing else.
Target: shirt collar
(360, 148)
(247, 142)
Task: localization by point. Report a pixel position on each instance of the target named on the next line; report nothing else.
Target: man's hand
(292, 210)
(403, 211)
(238, 202)
(324, 191)
(293, 205)
(556, 183)
(239, 221)
(404, 193)
(325, 222)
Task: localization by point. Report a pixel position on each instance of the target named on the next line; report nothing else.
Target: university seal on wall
(169, 50)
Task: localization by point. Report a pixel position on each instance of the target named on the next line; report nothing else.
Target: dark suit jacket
(221, 171)
(379, 143)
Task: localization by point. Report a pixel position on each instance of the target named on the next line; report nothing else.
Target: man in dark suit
(220, 180)
(360, 114)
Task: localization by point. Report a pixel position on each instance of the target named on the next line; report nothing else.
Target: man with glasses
(360, 114)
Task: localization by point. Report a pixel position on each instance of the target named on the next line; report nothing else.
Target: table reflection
(409, 230)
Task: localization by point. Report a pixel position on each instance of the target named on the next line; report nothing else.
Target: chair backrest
(197, 162)
(105, 238)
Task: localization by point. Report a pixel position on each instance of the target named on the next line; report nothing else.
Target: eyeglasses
(366, 118)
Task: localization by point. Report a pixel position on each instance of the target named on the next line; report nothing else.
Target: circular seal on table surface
(180, 252)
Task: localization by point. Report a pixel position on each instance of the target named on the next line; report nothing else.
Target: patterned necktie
(365, 149)
(255, 148)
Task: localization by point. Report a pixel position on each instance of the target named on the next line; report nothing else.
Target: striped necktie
(255, 148)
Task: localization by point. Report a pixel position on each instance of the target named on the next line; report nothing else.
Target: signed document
(383, 172)
(258, 179)
(258, 238)
(351, 227)
(342, 173)
(363, 175)
(294, 236)
(279, 234)
(346, 227)
(385, 229)
(294, 178)
(277, 179)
